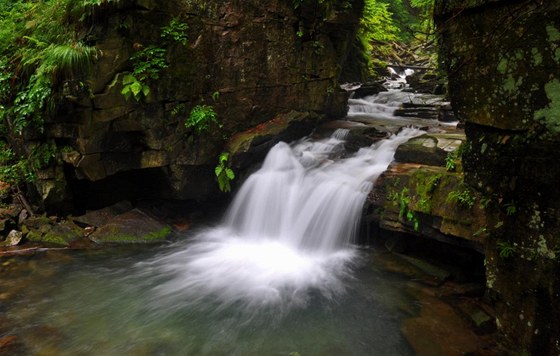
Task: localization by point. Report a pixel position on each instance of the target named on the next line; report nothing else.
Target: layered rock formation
(503, 62)
(253, 61)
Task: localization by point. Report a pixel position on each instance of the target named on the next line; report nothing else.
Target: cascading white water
(286, 233)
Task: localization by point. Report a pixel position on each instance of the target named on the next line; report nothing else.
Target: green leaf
(145, 90)
(125, 90)
(129, 79)
(230, 174)
(136, 88)
(218, 170)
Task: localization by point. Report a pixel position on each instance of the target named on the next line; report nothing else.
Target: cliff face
(255, 62)
(503, 62)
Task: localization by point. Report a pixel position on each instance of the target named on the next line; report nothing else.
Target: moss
(537, 57)
(550, 115)
(510, 84)
(503, 66)
(424, 184)
(55, 239)
(156, 236)
(553, 33)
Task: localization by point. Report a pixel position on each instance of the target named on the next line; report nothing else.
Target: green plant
(463, 197)
(511, 209)
(201, 118)
(506, 249)
(402, 200)
(453, 159)
(485, 201)
(176, 31)
(147, 65)
(132, 86)
(425, 185)
(224, 173)
(481, 231)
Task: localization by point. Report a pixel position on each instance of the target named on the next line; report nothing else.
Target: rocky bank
(256, 63)
(503, 62)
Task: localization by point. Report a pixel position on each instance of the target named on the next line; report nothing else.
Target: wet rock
(359, 137)
(13, 238)
(103, 216)
(135, 226)
(438, 273)
(431, 207)
(426, 82)
(506, 90)
(430, 149)
(251, 146)
(37, 222)
(62, 233)
(368, 89)
(477, 316)
(438, 330)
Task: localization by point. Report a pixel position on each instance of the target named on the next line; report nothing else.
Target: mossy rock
(135, 226)
(63, 233)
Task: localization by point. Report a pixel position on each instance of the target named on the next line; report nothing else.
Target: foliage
(175, 31)
(43, 56)
(224, 173)
(403, 199)
(511, 209)
(453, 159)
(376, 27)
(132, 86)
(201, 118)
(506, 249)
(425, 186)
(148, 63)
(16, 169)
(426, 11)
(463, 197)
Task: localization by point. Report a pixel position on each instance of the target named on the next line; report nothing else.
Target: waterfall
(287, 232)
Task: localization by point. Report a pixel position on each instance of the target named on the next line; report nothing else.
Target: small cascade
(287, 231)
(399, 102)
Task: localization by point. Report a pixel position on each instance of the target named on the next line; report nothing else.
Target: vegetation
(202, 118)
(43, 57)
(387, 22)
(149, 62)
(403, 199)
(506, 249)
(463, 196)
(224, 173)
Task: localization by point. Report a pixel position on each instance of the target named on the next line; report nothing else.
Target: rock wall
(253, 61)
(503, 62)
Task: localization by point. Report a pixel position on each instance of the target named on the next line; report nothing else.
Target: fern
(68, 60)
(201, 117)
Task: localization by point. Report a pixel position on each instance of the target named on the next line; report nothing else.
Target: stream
(278, 276)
